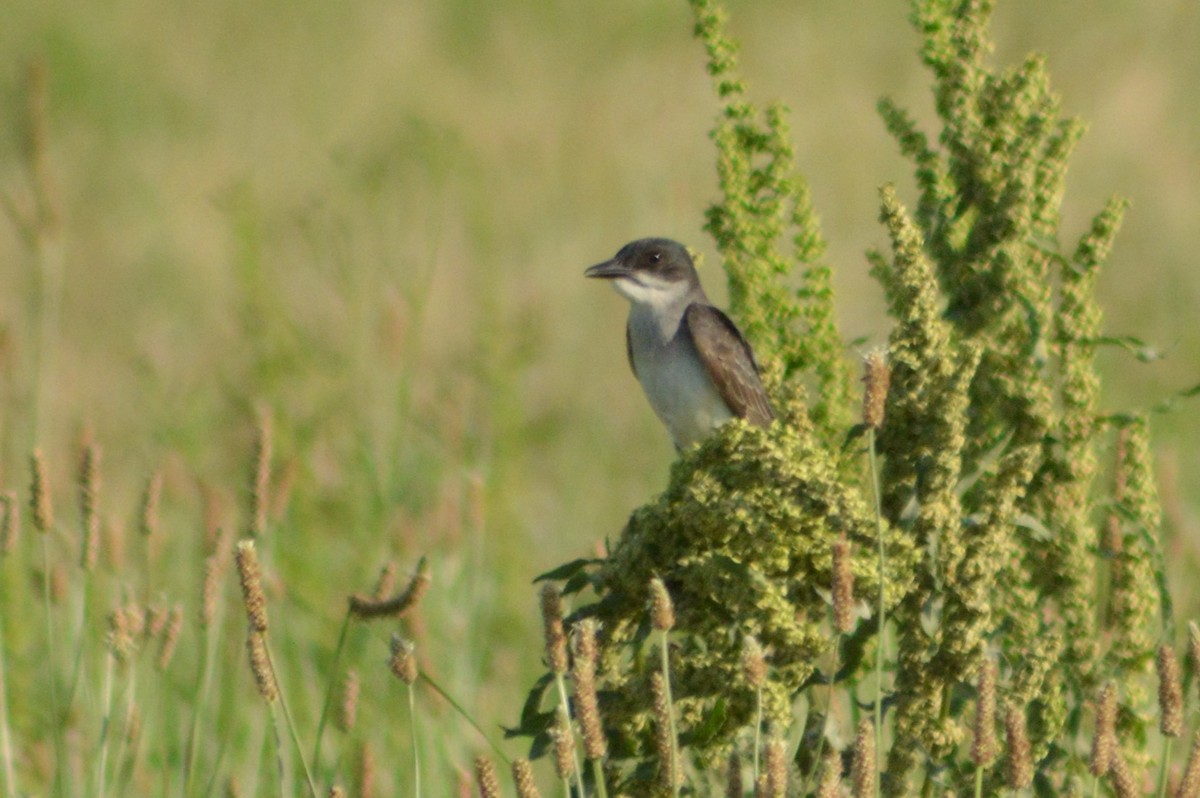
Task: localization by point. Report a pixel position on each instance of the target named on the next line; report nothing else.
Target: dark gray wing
(729, 362)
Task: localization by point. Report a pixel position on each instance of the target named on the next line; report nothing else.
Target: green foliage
(989, 449)
(766, 229)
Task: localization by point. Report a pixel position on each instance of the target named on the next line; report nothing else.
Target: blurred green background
(371, 218)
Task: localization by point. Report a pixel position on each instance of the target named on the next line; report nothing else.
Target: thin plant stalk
(60, 765)
(666, 672)
(879, 635)
(598, 777)
(758, 718)
(204, 677)
(105, 725)
(412, 727)
(561, 681)
(328, 705)
(437, 688)
(287, 717)
(10, 778)
(1163, 766)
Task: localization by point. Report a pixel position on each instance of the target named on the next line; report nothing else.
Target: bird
(695, 366)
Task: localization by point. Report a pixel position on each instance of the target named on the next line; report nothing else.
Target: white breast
(676, 383)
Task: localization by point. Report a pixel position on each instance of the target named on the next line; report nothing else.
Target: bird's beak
(609, 270)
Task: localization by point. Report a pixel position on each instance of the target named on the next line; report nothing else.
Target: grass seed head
(1104, 737)
(486, 778)
(1018, 765)
(386, 582)
(151, 498)
(213, 569)
(862, 770)
(843, 586)
(983, 747)
(563, 739)
(40, 504)
(1170, 693)
(348, 708)
(250, 576)
(830, 785)
(365, 776)
(1194, 648)
(754, 663)
(1125, 784)
(665, 743)
(10, 522)
(89, 494)
(1189, 785)
(522, 773)
(552, 627)
(170, 638)
(877, 376)
(776, 764)
(260, 666)
(587, 706)
(367, 608)
(404, 661)
(733, 781)
(662, 611)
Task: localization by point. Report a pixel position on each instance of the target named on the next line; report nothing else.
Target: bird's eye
(655, 257)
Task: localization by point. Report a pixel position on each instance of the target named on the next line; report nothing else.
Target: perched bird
(694, 365)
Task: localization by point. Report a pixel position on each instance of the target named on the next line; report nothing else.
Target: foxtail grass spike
(830, 785)
(170, 638)
(522, 773)
(1104, 737)
(151, 498)
(1124, 782)
(843, 587)
(587, 708)
(89, 513)
(10, 522)
(403, 662)
(776, 767)
(552, 626)
(1189, 785)
(260, 666)
(733, 778)
(863, 775)
(486, 778)
(662, 611)
(40, 505)
(877, 376)
(983, 747)
(397, 606)
(1170, 693)
(250, 577)
(1018, 764)
(664, 738)
(348, 708)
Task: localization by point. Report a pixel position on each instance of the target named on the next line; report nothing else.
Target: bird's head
(650, 271)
